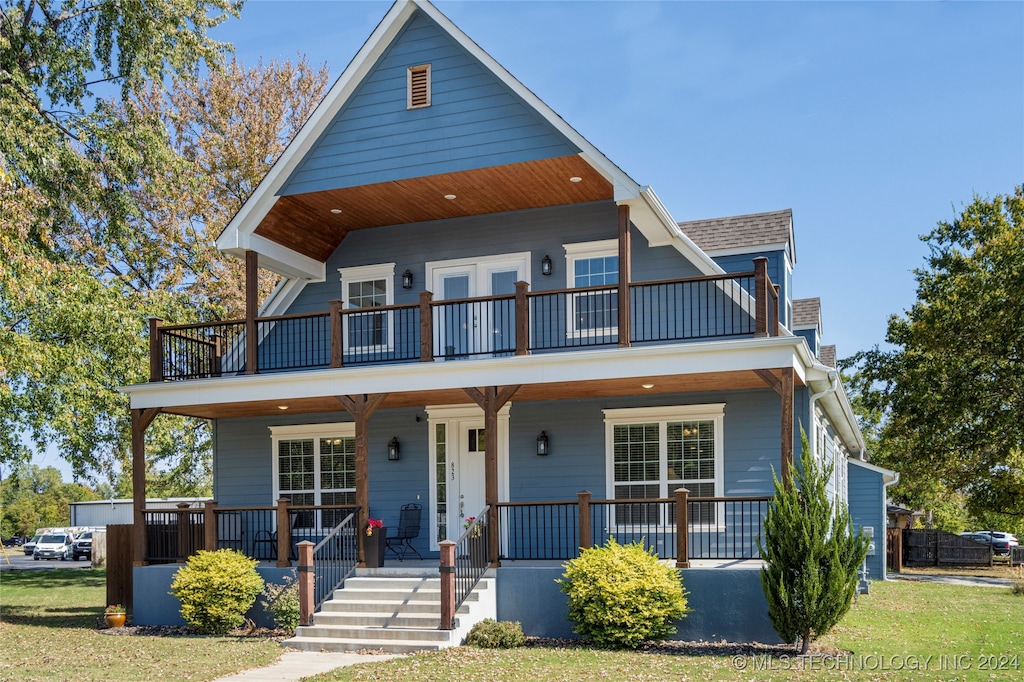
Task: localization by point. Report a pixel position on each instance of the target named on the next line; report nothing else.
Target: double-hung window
(653, 451)
(367, 288)
(593, 264)
(315, 464)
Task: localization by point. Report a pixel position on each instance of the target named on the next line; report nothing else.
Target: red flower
(371, 524)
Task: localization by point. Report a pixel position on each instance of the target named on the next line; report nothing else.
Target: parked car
(13, 541)
(30, 546)
(54, 546)
(1000, 542)
(82, 546)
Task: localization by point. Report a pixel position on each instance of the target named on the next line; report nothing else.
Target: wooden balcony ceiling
(304, 222)
(680, 383)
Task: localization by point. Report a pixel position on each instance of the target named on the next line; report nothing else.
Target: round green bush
(621, 596)
(216, 589)
(493, 634)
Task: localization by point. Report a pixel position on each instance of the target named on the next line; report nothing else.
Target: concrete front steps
(395, 610)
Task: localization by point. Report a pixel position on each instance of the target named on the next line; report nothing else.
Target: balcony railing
(720, 306)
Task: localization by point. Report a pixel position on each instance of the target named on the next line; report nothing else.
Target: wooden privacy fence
(894, 549)
(934, 547)
(119, 565)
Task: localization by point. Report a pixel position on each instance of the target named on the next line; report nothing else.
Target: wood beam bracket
(767, 377)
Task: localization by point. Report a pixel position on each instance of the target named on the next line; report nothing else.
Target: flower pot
(373, 548)
(114, 620)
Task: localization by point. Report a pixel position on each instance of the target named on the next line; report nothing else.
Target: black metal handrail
(173, 535)
(693, 308)
(471, 560)
(334, 559)
(539, 531)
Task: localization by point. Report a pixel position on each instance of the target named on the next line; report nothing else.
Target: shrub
(811, 554)
(493, 634)
(621, 596)
(216, 589)
(282, 601)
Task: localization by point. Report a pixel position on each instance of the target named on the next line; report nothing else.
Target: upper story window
(591, 264)
(365, 288)
(418, 86)
(652, 451)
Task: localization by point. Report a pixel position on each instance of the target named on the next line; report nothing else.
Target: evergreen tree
(811, 553)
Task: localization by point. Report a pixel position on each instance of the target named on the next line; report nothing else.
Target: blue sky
(871, 120)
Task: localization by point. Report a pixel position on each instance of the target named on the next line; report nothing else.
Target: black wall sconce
(407, 279)
(394, 454)
(545, 265)
(542, 444)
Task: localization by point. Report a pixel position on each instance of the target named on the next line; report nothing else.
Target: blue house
(481, 315)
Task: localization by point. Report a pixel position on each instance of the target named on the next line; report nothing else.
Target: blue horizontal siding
(867, 508)
(474, 120)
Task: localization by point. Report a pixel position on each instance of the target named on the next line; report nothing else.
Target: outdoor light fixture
(393, 452)
(407, 279)
(542, 444)
(545, 265)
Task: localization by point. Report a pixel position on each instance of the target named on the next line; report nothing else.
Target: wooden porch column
(361, 407)
(625, 277)
(760, 296)
(141, 419)
(490, 400)
(156, 350)
(583, 498)
(787, 424)
(284, 534)
(682, 528)
(306, 575)
(252, 279)
(426, 327)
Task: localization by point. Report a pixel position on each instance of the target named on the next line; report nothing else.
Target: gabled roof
(301, 257)
(827, 355)
(743, 233)
(807, 313)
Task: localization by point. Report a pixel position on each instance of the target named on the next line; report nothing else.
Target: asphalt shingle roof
(806, 312)
(827, 355)
(741, 231)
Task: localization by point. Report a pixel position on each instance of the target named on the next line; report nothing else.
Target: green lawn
(902, 630)
(48, 631)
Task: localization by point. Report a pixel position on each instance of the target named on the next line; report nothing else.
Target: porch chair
(400, 543)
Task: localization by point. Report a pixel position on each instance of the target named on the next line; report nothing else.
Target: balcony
(739, 305)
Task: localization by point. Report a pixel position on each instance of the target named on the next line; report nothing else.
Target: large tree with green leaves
(122, 168)
(950, 388)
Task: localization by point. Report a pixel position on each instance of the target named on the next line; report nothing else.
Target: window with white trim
(364, 288)
(591, 264)
(653, 451)
(315, 464)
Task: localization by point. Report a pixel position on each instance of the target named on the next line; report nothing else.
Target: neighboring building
(477, 307)
(868, 492)
(103, 513)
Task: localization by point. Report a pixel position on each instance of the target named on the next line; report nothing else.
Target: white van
(54, 546)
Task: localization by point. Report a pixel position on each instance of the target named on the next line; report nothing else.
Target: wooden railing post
(210, 525)
(583, 497)
(184, 532)
(306, 575)
(426, 327)
(625, 279)
(284, 533)
(447, 570)
(215, 362)
(156, 350)
(773, 328)
(761, 296)
(252, 275)
(337, 340)
(682, 528)
(522, 319)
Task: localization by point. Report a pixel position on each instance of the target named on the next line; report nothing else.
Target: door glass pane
(503, 312)
(457, 321)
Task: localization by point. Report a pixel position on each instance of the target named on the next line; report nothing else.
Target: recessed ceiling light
(647, 385)
(449, 197)
(575, 178)
(282, 407)
(335, 211)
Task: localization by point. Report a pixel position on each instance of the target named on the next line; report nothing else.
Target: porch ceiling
(676, 383)
(305, 224)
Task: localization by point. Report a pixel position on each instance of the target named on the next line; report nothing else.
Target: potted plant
(373, 543)
(114, 615)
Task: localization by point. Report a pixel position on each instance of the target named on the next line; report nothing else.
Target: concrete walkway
(294, 665)
(969, 580)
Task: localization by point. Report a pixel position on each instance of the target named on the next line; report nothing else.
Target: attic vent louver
(419, 86)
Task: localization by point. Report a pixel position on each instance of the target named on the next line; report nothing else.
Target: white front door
(457, 444)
